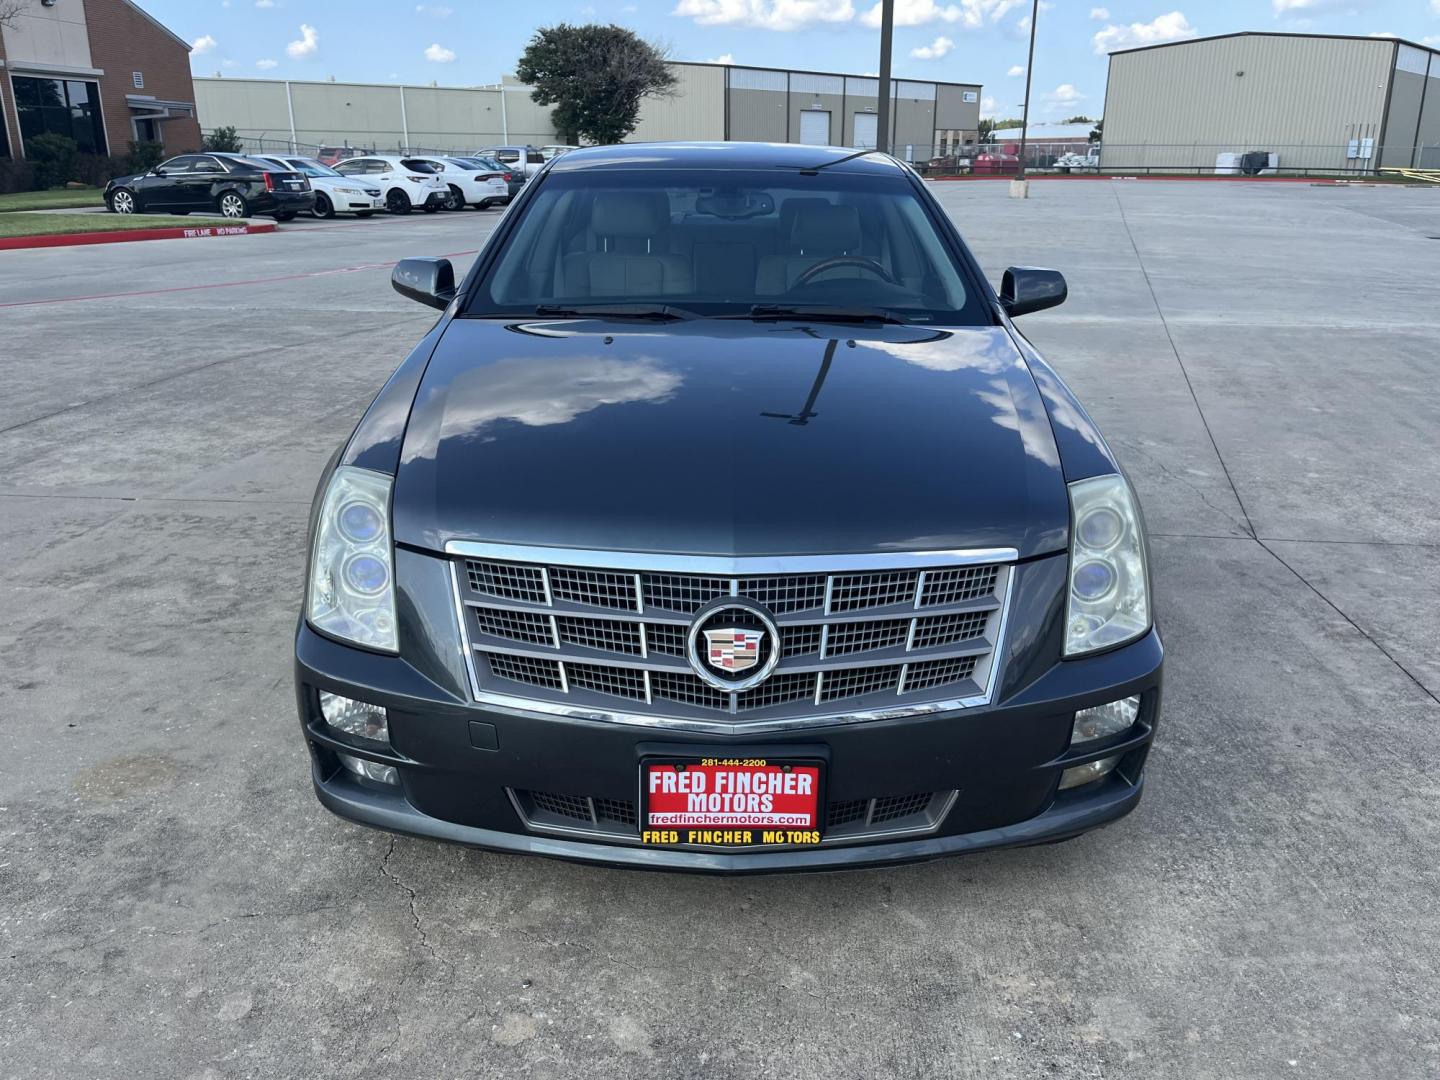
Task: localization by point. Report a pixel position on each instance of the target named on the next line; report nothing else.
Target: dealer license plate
(730, 802)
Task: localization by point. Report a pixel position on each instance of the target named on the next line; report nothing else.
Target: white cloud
(266, 65)
(438, 54)
(970, 14)
(1433, 40)
(723, 58)
(1382, 34)
(1064, 94)
(228, 63)
(1171, 27)
(308, 43)
(1016, 70)
(202, 45)
(936, 49)
(765, 14)
(1100, 13)
(265, 3)
(439, 11)
(987, 108)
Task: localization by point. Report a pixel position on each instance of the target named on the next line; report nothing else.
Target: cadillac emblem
(733, 644)
(734, 648)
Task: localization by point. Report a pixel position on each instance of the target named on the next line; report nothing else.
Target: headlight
(352, 569)
(1108, 599)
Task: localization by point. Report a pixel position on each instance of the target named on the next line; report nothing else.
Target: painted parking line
(221, 284)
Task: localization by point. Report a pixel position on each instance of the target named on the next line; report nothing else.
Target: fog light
(1103, 721)
(1083, 774)
(355, 717)
(370, 770)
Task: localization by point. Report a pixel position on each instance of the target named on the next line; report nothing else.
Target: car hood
(729, 438)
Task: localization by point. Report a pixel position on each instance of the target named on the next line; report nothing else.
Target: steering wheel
(859, 262)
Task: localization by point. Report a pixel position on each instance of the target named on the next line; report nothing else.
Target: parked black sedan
(726, 521)
(232, 185)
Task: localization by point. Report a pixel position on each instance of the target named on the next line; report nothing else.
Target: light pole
(887, 33)
(1020, 186)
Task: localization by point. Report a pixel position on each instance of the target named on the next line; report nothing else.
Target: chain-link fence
(1355, 158)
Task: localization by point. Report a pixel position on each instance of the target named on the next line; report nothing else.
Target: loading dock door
(815, 127)
(866, 131)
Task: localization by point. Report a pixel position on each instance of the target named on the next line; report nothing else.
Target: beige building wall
(695, 112)
(1301, 97)
(49, 37)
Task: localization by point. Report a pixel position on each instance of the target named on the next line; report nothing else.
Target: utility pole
(887, 34)
(1020, 186)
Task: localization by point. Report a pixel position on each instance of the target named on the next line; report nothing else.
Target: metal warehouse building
(711, 102)
(1318, 101)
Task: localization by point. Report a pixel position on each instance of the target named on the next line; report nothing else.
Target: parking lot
(174, 902)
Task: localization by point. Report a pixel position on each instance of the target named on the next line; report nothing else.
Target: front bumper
(460, 763)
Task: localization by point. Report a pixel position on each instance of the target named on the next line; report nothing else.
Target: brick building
(100, 71)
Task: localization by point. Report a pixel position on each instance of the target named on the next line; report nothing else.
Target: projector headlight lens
(352, 590)
(1108, 601)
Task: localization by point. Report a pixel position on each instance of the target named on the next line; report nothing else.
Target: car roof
(724, 155)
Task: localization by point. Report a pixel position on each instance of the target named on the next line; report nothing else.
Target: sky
(469, 42)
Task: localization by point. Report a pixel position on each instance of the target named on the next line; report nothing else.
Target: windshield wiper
(659, 312)
(822, 313)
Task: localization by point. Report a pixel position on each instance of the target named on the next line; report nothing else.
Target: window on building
(60, 107)
(4, 130)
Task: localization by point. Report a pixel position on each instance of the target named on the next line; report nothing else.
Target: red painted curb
(179, 232)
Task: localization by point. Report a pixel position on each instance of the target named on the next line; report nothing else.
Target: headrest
(826, 230)
(629, 213)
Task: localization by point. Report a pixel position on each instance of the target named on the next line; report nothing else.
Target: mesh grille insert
(688, 690)
(842, 813)
(525, 669)
(856, 637)
(854, 592)
(665, 638)
(610, 635)
(783, 595)
(617, 810)
(598, 588)
(516, 625)
(853, 682)
(938, 672)
(513, 582)
(570, 806)
(948, 629)
(799, 640)
(962, 583)
(893, 807)
(682, 592)
(778, 690)
(622, 682)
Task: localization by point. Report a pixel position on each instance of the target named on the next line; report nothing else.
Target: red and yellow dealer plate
(730, 802)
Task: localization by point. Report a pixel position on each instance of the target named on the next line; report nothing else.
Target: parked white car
(523, 159)
(334, 193)
(468, 183)
(405, 182)
(554, 150)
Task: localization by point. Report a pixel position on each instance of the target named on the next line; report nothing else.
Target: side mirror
(1031, 288)
(431, 281)
(157, 171)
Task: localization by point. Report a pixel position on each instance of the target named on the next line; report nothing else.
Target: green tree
(144, 156)
(1079, 120)
(1099, 132)
(594, 78)
(222, 140)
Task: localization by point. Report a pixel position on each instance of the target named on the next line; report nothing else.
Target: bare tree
(10, 12)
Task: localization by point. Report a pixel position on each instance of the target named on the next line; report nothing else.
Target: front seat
(817, 233)
(626, 250)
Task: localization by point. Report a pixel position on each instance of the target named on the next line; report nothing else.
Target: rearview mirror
(1031, 288)
(431, 281)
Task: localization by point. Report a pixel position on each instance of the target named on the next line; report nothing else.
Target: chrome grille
(604, 635)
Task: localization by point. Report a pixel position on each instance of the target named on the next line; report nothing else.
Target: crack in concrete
(412, 895)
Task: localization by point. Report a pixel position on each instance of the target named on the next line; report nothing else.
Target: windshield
(312, 168)
(729, 243)
(487, 163)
